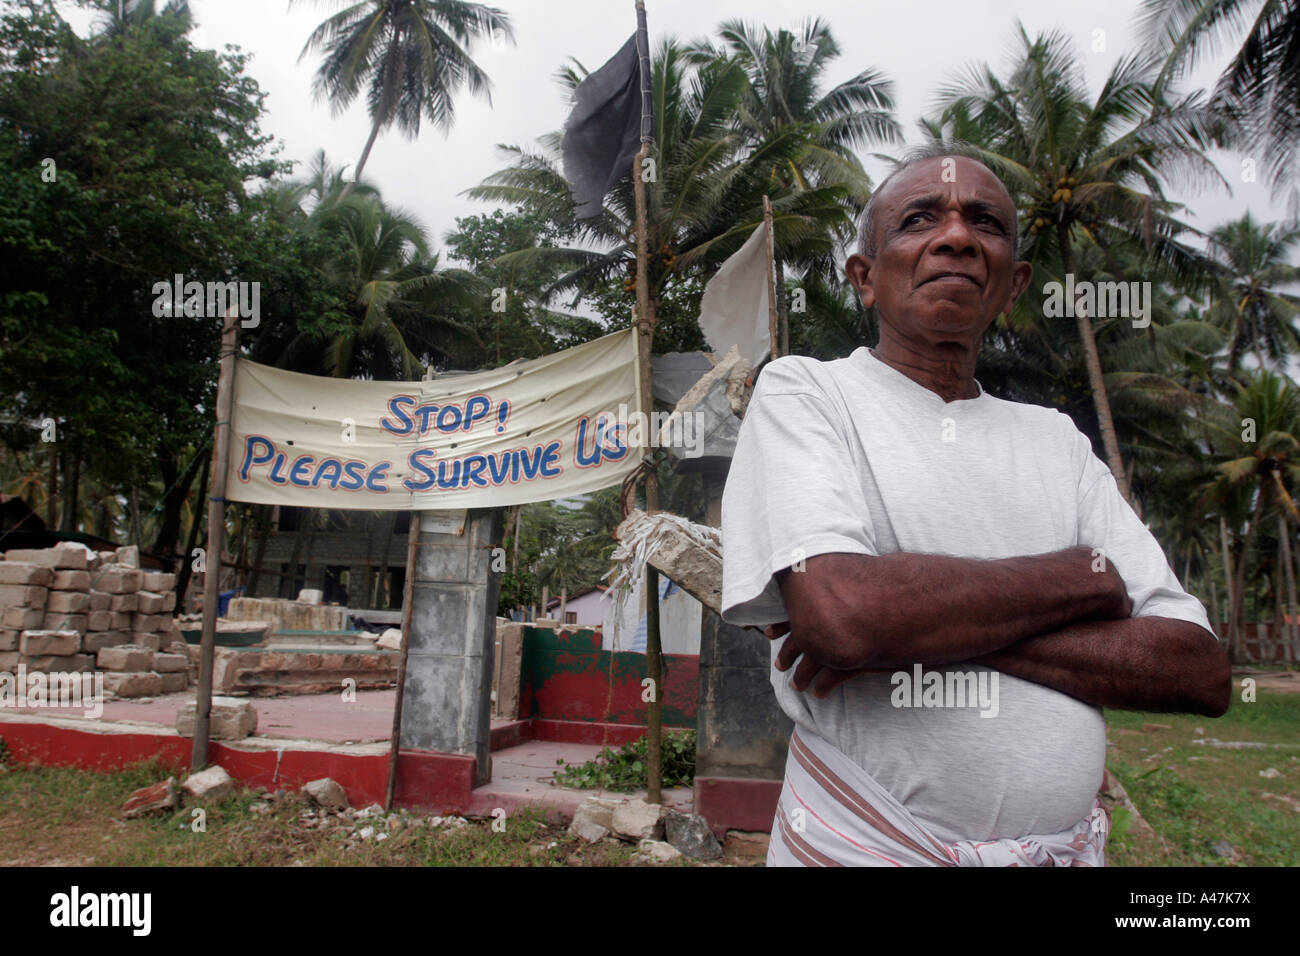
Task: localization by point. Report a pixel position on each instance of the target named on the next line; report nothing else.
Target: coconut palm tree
(1257, 446)
(704, 202)
(118, 17)
(1084, 170)
(786, 71)
(401, 306)
(1260, 88)
(410, 56)
(1247, 303)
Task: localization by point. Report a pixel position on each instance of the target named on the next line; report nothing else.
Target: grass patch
(1196, 796)
(60, 816)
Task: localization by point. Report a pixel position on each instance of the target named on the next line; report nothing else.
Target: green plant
(4, 752)
(624, 769)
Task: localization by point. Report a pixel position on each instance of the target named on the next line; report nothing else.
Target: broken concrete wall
(288, 615)
(742, 730)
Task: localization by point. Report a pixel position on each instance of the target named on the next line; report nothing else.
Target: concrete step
(302, 639)
(314, 670)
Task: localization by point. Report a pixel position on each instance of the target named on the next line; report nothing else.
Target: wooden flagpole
(216, 537)
(772, 320)
(645, 341)
(408, 593)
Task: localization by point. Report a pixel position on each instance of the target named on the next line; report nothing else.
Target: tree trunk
(287, 582)
(178, 489)
(71, 498)
(135, 516)
(1279, 612)
(361, 163)
(52, 492)
(266, 517)
(1239, 589)
(192, 539)
(241, 553)
(1227, 581)
(103, 526)
(389, 528)
(393, 69)
(519, 520)
(1214, 605)
(1096, 379)
(1293, 625)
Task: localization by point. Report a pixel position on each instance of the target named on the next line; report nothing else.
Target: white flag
(734, 308)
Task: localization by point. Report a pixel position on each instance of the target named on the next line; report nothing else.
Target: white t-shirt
(853, 456)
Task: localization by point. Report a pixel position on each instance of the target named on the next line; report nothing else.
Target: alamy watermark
(1098, 300)
(680, 432)
(922, 688)
(210, 300)
(74, 908)
(53, 689)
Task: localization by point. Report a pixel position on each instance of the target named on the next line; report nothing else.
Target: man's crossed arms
(1047, 618)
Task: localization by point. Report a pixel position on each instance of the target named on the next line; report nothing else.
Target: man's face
(945, 262)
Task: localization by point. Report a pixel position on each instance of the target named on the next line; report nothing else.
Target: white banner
(532, 431)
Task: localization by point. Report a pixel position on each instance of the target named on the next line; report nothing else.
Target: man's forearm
(1139, 663)
(853, 611)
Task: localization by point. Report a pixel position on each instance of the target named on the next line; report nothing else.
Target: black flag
(603, 133)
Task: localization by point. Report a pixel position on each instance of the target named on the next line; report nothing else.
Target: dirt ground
(1285, 681)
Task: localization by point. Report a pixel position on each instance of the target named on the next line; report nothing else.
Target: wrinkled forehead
(958, 176)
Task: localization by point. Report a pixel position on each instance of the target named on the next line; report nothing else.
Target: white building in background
(679, 618)
(581, 609)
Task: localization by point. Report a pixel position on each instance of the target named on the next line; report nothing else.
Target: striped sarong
(833, 813)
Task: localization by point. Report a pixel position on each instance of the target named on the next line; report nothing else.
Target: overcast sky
(918, 45)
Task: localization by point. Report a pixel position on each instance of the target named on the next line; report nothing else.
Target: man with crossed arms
(895, 514)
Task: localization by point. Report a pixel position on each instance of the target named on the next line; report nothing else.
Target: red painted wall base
(363, 776)
(734, 803)
(437, 782)
(441, 783)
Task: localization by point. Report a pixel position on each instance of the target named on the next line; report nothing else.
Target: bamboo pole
(408, 591)
(216, 537)
(645, 343)
(773, 314)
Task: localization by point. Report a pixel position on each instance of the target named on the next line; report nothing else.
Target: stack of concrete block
(61, 608)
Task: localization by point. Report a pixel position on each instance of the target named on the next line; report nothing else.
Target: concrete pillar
(446, 701)
(742, 734)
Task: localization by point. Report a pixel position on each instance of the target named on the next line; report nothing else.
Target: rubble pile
(69, 609)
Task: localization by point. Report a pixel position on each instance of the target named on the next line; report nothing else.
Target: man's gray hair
(867, 232)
